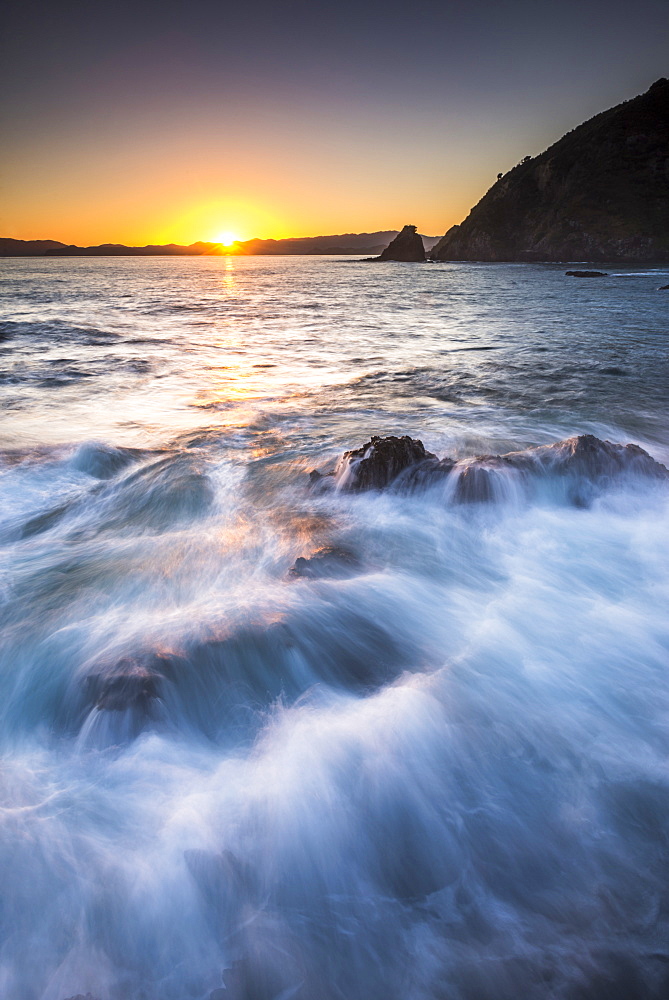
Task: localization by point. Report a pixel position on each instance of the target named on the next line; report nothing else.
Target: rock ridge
(575, 469)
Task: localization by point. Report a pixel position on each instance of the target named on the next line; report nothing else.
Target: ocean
(264, 735)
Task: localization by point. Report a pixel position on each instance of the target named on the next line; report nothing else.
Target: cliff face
(601, 193)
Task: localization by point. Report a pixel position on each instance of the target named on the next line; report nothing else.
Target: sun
(226, 239)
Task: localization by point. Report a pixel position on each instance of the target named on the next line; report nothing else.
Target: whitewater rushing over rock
(333, 608)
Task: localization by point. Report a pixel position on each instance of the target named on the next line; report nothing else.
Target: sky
(153, 122)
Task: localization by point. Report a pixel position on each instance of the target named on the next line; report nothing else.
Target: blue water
(438, 775)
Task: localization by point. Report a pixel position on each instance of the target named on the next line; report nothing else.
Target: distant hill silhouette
(346, 243)
(601, 193)
(26, 248)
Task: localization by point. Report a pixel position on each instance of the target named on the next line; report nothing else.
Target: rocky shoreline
(581, 465)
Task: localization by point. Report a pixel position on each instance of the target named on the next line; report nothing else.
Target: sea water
(439, 775)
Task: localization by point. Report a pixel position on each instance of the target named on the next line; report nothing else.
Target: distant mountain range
(346, 243)
(601, 193)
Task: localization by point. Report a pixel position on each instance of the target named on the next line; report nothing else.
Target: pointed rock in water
(586, 274)
(599, 193)
(407, 246)
(663, 288)
(378, 462)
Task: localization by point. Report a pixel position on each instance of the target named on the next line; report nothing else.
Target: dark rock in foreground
(378, 462)
(407, 246)
(581, 463)
(663, 288)
(586, 274)
(598, 194)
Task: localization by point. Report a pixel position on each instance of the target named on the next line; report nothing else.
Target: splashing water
(263, 737)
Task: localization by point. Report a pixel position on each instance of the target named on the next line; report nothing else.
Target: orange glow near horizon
(91, 206)
(267, 193)
(226, 239)
(225, 221)
(105, 228)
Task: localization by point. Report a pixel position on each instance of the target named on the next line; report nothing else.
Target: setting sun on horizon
(227, 239)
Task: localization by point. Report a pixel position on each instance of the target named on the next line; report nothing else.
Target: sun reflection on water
(228, 279)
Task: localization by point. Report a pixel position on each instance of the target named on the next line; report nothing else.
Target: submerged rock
(475, 483)
(424, 474)
(328, 563)
(378, 462)
(407, 246)
(586, 274)
(580, 464)
(589, 455)
(584, 460)
(128, 685)
(122, 700)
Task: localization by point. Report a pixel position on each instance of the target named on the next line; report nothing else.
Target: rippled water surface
(434, 770)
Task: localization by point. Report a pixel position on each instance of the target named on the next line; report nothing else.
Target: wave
(57, 331)
(400, 734)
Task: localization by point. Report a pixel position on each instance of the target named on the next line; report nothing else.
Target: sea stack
(407, 246)
(601, 193)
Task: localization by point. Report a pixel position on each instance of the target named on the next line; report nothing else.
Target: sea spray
(438, 774)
